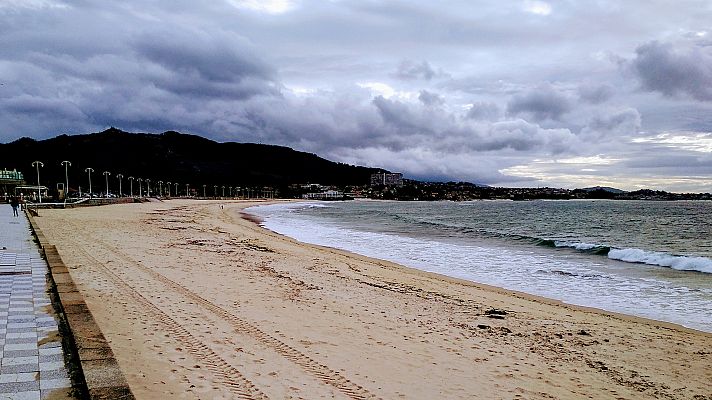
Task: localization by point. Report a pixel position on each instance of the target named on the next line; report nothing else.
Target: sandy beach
(199, 302)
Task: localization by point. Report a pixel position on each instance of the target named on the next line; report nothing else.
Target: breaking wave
(682, 263)
(630, 255)
(638, 256)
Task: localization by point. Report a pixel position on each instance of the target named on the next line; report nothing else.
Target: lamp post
(131, 179)
(186, 190)
(169, 188)
(140, 187)
(66, 178)
(204, 190)
(89, 171)
(38, 164)
(160, 188)
(176, 183)
(215, 190)
(230, 187)
(119, 177)
(223, 188)
(148, 187)
(106, 177)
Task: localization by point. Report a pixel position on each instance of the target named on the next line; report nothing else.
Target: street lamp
(119, 176)
(160, 188)
(230, 187)
(223, 188)
(148, 187)
(106, 176)
(89, 171)
(204, 190)
(186, 190)
(176, 183)
(169, 188)
(66, 178)
(131, 179)
(140, 187)
(215, 190)
(38, 164)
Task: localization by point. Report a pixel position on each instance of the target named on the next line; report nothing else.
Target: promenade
(31, 360)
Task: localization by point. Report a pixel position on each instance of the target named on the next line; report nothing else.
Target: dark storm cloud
(41, 107)
(437, 129)
(672, 71)
(199, 63)
(398, 114)
(213, 56)
(388, 129)
(541, 103)
(145, 78)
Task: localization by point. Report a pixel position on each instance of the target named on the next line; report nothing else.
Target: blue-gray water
(651, 259)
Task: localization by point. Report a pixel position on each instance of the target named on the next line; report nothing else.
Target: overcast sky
(512, 93)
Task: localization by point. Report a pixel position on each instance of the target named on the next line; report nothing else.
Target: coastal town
(382, 186)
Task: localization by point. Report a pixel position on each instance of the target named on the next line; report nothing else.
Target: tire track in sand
(226, 373)
(306, 363)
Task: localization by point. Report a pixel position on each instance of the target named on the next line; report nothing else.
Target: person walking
(14, 203)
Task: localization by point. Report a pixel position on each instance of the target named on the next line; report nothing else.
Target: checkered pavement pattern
(31, 356)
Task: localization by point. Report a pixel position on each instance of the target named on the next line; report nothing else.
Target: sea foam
(639, 256)
(683, 263)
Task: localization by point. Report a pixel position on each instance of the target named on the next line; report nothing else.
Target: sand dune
(198, 302)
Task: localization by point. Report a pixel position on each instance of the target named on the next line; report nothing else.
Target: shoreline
(197, 301)
(483, 286)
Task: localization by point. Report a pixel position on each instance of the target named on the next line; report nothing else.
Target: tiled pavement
(31, 359)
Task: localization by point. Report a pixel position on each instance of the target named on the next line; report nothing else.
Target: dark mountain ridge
(172, 156)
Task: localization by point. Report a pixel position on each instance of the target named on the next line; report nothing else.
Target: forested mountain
(174, 157)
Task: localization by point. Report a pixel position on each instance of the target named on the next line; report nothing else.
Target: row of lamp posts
(106, 174)
(89, 170)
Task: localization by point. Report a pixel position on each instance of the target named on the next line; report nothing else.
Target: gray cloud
(411, 70)
(399, 115)
(595, 94)
(364, 82)
(482, 110)
(628, 118)
(521, 135)
(541, 103)
(673, 71)
(430, 98)
(212, 56)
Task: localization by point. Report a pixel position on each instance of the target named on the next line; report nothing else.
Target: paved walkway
(31, 359)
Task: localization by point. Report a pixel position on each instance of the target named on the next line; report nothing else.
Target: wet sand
(198, 302)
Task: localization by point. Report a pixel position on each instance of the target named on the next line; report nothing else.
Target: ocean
(644, 258)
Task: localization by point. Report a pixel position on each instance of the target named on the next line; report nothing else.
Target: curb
(94, 371)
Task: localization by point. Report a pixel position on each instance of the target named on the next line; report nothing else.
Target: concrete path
(31, 359)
